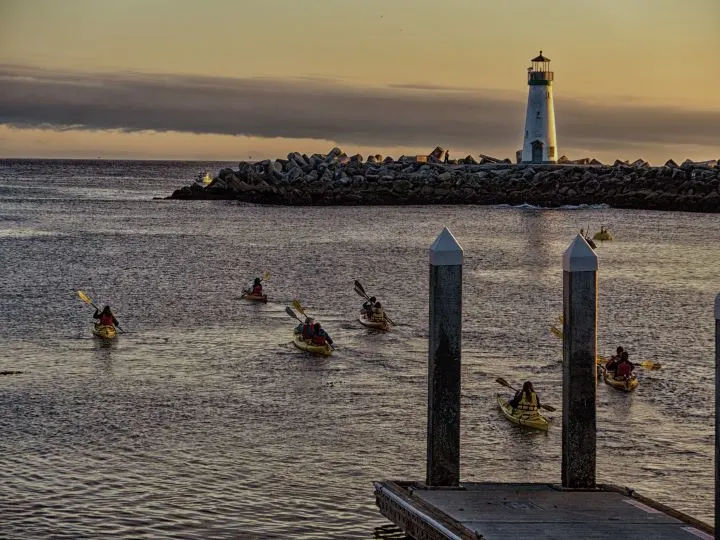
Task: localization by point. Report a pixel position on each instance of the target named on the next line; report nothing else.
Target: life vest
(525, 405)
(307, 331)
(257, 290)
(623, 370)
(319, 339)
(106, 320)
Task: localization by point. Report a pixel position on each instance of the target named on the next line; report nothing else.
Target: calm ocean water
(203, 421)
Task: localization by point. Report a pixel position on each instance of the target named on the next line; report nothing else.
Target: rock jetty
(338, 179)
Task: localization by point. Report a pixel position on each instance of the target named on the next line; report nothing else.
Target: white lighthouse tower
(540, 144)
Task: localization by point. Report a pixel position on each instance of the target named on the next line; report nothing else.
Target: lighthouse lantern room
(540, 144)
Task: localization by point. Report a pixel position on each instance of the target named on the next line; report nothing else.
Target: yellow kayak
(306, 346)
(254, 297)
(104, 331)
(378, 325)
(532, 419)
(624, 385)
(603, 236)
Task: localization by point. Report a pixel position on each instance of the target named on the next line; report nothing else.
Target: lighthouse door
(537, 152)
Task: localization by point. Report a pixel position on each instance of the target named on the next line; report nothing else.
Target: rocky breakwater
(338, 179)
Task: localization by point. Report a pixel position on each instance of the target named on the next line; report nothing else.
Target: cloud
(302, 108)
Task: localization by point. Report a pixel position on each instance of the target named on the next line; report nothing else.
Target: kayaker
(306, 328)
(257, 287)
(378, 314)
(320, 336)
(525, 399)
(624, 367)
(367, 307)
(611, 364)
(106, 317)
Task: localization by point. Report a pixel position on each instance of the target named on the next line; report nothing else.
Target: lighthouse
(540, 144)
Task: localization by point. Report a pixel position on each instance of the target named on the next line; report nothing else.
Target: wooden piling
(580, 264)
(717, 411)
(443, 431)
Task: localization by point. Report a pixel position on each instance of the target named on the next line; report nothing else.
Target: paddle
(85, 298)
(502, 381)
(293, 314)
(647, 364)
(298, 306)
(556, 332)
(361, 291)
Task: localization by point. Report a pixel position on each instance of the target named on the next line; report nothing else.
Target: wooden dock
(508, 511)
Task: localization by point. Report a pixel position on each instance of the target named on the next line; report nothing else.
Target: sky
(254, 79)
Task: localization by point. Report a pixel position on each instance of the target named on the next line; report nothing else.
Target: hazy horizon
(229, 81)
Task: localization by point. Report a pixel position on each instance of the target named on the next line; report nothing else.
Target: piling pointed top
(445, 250)
(717, 307)
(579, 256)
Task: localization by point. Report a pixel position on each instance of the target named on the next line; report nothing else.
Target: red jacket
(257, 290)
(624, 369)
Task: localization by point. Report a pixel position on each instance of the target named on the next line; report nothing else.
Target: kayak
(104, 331)
(624, 385)
(378, 325)
(532, 419)
(254, 297)
(602, 236)
(306, 346)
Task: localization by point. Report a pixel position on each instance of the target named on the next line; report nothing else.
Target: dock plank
(502, 511)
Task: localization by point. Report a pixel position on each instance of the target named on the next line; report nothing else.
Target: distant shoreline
(337, 180)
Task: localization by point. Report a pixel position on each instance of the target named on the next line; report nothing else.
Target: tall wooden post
(443, 436)
(580, 264)
(717, 413)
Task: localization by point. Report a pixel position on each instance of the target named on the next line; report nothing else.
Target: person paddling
(306, 329)
(526, 399)
(320, 337)
(106, 317)
(257, 289)
(378, 314)
(624, 367)
(611, 364)
(367, 307)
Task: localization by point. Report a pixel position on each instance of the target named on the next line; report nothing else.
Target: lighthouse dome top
(540, 58)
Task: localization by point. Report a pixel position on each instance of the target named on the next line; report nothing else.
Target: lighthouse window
(526, 134)
(538, 115)
(551, 151)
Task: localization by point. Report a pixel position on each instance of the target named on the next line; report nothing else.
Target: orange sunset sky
(235, 79)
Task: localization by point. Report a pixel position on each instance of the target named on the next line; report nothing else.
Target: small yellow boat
(532, 419)
(602, 236)
(104, 331)
(304, 345)
(254, 297)
(626, 385)
(377, 325)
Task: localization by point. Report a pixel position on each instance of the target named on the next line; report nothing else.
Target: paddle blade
(297, 305)
(649, 364)
(502, 381)
(292, 313)
(556, 332)
(84, 297)
(361, 293)
(360, 288)
(266, 277)
(548, 408)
